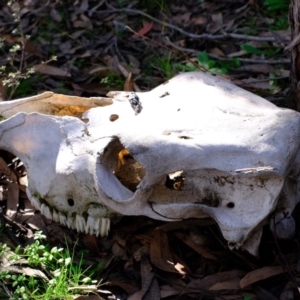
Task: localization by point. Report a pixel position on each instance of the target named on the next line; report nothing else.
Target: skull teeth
(45, 210)
(105, 226)
(80, 223)
(34, 200)
(55, 216)
(90, 225)
(62, 219)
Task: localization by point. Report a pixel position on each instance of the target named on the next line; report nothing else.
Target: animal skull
(194, 147)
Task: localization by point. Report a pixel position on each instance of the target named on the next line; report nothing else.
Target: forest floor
(88, 48)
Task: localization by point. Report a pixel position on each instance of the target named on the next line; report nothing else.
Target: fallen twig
(193, 35)
(249, 60)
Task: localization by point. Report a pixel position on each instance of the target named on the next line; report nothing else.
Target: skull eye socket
(129, 171)
(126, 169)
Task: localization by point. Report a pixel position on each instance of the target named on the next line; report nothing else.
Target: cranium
(194, 147)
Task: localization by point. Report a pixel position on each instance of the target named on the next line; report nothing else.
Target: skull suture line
(193, 147)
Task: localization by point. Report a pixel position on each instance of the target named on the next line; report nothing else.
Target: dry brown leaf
(216, 23)
(55, 15)
(5, 170)
(150, 288)
(199, 20)
(218, 18)
(146, 269)
(147, 280)
(133, 61)
(119, 247)
(84, 5)
(102, 71)
(216, 51)
(147, 27)
(13, 189)
(209, 281)
(124, 68)
(129, 83)
(226, 285)
(259, 84)
(257, 68)
(145, 239)
(160, 254)
(288, 291)
(229, 24)
(136, 296)
(263, 293)
(37, 222)
(129, 288)
(182, 18)
(29, 46)
(15, 266)
(260, 274)
(91, 243)
(167, 291)
(142, 251)
(52, 71)
(202, 250)
(153, 291)
(12, 199)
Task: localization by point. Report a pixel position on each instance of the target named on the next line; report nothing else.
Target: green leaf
(204, 60)
(276, 4)
(219, 70)
(236, 62)
(251, 49)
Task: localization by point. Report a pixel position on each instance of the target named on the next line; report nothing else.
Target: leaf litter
(102, 46)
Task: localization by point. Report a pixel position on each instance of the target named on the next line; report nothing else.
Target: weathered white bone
(52, 104)
(194, 147)
(60, 167)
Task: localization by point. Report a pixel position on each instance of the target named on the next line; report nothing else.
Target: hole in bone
(128, 171)
(175, 180)
(184, 137)
(230, 205)
(113, 117)
(71, 202)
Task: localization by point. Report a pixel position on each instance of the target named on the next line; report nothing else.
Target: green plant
(15, 75)
(266, 50)
(113, 81)
(168, 66)
(280, 23)
(215, 66)
(274, 82)
(165, 66)
(50, 272)
(273, 5)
